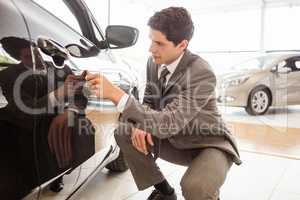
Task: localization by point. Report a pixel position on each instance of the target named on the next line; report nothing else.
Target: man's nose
(152, 48)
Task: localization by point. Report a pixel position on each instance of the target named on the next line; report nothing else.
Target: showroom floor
(275, 133)
(260, 177)
(270, 150)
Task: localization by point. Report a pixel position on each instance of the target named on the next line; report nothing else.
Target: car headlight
(235, 82)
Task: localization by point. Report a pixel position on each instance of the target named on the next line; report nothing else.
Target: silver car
(272, 79)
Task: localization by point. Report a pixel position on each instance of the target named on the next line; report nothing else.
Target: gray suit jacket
(186, 113)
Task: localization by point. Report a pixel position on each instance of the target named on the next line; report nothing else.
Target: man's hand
(71, 85)
(59, 139)
(140, 139)
(103, 88)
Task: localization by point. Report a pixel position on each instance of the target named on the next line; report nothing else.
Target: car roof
(283, 54)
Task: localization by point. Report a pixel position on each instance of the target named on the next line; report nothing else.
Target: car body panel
(283, 87)
(32, 22)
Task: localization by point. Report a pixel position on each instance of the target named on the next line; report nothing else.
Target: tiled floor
(275, 133)
(260, 177)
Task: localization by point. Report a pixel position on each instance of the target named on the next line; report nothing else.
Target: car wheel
(259, 101)
(118, 165)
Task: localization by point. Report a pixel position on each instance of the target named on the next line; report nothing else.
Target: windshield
(61, 11)
(256, 63)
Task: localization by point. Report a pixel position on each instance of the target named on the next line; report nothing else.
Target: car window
(59, 9)
(297, 64)
(256, 63)
(293, 63)
(100, 10)
(281, 64)
(44, 24)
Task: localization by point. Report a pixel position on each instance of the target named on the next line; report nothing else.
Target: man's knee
(197, 190)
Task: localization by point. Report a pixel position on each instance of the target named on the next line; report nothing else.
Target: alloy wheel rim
(260, 101)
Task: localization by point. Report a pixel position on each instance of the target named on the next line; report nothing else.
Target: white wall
(221, 27)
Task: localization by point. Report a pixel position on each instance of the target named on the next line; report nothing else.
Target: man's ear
(183, 44)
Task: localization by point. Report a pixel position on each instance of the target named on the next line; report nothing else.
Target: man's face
(162, 50)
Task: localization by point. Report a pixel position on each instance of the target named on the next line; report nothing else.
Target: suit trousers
(206, 168)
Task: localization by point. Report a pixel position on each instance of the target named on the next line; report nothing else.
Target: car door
(287, 81)
(46, 20)
(18, 169)
(294, 81)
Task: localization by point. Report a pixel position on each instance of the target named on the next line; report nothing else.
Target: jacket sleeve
(183, 108)
(147, 100)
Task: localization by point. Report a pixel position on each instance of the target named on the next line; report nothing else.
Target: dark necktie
(162, 85)
(162, 79)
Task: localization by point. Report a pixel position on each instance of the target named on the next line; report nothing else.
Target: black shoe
(157, 195)
(57, 185)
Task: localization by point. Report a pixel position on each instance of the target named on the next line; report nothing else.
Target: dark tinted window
(59, 9)
(42, 23)
(296, 64)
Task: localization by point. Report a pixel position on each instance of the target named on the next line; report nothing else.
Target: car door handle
(53, 49)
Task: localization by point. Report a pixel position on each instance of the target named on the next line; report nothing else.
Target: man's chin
(157, 61)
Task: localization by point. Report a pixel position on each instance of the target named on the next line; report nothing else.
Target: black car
(41, 42)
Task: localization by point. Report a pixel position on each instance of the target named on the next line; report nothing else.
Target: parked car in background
(271, 79)
(61, 35)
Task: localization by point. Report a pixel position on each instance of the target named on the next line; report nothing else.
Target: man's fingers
(90, 76)
(139, 141)
(94, 81)
(136, 146)
(134, 143)
(142, 140)
(149, 139)
(95, 87)
(72, 78)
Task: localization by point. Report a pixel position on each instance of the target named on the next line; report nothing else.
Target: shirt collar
(172, 67)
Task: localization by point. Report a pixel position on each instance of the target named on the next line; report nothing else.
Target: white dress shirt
(171, 68)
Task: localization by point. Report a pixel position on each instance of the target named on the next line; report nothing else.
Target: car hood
(112, 68)
(235, 74)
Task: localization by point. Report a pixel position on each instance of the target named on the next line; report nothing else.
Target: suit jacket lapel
(179, 71)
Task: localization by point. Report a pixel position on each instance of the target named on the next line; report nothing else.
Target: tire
(259, 101)
(118, 165)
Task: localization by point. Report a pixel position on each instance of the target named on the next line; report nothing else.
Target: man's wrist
(116, 95)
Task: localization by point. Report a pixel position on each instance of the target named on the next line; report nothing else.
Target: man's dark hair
(174, 22)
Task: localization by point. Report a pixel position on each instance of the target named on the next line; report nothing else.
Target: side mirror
(119, 37)
(284, 70)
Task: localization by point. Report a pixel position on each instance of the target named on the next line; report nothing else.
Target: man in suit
(178, 120)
